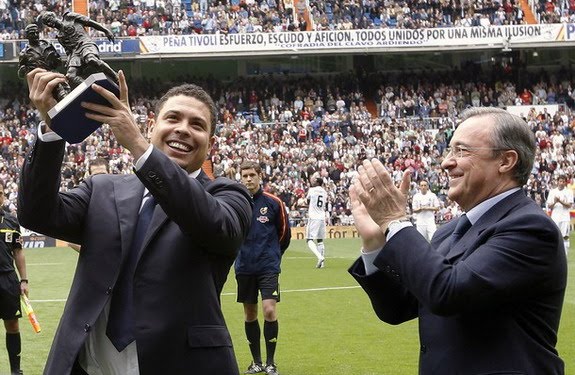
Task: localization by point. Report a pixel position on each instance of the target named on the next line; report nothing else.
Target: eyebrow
(181, 114)
(459, 143)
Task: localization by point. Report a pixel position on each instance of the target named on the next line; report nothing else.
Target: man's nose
(182, 128)
(448, 162)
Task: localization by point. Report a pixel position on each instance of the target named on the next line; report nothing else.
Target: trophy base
(68, 118)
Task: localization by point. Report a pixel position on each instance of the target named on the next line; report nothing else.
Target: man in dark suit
(488, 290)
(168, 288)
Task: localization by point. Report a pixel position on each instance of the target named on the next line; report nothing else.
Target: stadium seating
(326, 137)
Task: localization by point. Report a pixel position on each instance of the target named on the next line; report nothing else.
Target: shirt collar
(476, 212)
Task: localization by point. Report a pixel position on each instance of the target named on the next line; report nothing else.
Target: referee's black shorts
(9, 296)
(250, 285)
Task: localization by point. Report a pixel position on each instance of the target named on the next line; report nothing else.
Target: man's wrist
(23, 281)
(394, 223)
(44, 127)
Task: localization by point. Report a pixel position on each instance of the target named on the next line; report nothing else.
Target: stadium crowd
(299, 127)
(132, 18)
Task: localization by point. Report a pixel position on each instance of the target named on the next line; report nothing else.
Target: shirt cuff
(48, 137)
(368, 259)
(393, 229)
(140, 162)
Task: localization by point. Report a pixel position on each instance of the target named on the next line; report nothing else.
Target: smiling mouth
(178, 146)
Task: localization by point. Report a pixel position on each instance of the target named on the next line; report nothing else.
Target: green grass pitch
(327, 326)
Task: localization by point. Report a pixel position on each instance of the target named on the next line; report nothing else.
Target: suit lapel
(160, 217)
(493, 215)
(203, 178)
(443, 237)
(128, 192)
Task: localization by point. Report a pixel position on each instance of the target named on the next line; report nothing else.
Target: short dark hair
(31, 27)
(99, 161)
(250, 164)
(193, 91)
(319, 181)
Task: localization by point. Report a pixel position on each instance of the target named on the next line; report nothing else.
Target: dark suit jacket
(192, 241)
(491, 305)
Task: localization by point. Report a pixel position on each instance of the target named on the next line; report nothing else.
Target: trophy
(40, 54)
(83, 68)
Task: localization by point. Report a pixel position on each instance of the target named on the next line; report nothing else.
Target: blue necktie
(120, 328)
(462, 226)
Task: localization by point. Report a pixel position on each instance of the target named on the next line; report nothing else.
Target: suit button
(87, 327)
(423, 349)
(152, 174)
(109, 290)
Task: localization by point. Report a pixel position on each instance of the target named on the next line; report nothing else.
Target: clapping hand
(376, 201)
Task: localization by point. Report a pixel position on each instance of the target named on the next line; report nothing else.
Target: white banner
(476, 37)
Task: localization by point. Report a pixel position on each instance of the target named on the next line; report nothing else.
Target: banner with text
(477, 37)
(33, 240)
(331, 232)
(105, 47)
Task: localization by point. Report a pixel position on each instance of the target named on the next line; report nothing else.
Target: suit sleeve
(392, 302)
(41, 207)
(511, 259)
(217, 213)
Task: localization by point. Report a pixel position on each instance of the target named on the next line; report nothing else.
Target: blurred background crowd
(305, 126)
(164, 17)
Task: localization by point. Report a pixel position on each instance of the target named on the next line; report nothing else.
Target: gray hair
(510, 132)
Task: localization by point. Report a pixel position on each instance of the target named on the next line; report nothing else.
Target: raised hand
(375, 189)
(372, 236)
(119, 117)
(41, 84)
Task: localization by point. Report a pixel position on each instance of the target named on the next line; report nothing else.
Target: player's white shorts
(427, 231)
(563, 228)
(315, 229)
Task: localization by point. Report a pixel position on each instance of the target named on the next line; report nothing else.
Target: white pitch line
(233, 294)
(43, 264)
(308, 290)
(348, 257)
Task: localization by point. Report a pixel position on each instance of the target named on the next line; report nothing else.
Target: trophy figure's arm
(93, 24)
(23, 62)
(53, 58)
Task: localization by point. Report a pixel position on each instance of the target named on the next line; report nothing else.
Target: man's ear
(211, 146)
(150, 128)
(509, 160)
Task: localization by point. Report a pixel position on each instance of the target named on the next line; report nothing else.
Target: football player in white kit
(425, 204)
(559, 201)
(315, 229)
